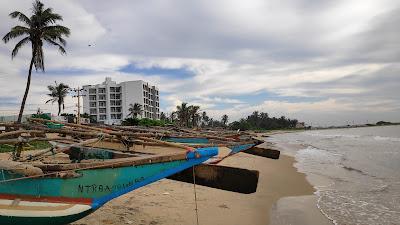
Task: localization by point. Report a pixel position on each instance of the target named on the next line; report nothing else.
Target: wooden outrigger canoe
(227, 147)
(66, 192)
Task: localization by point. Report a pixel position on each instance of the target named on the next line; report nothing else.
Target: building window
(115, 109)
(92, 91)
(102, 104)
(92, 97)
(118, 96)
(118, 89)
(102, 117)
(102, 90)
(93, 111)
(102, 110)
(93, 104)
(102, 97)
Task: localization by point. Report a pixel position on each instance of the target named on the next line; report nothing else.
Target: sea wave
(380, 138)
(317, 134)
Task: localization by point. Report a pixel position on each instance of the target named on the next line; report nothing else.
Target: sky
(327, 62)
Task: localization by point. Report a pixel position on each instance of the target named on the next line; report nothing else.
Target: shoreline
(169, 202)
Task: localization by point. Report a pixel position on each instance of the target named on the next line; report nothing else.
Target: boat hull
(61, 201)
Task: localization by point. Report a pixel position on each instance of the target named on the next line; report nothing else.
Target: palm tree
(194, 114)
(163, 116)
(204, 119)
(57, 93)
(224, 119)
(38, 28)
(135, 110)
(172, 117)
(182, 112)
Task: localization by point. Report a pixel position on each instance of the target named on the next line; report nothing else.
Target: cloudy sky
(323, 62)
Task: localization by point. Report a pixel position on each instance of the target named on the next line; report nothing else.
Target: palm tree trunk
(59, 108)
(28, 84)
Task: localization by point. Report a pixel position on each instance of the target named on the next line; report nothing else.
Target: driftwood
(20, 168)
(18, 132)
(37, 155)
(27, 140)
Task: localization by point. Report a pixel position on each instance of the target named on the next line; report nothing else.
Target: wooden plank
(121, 162)
(221, 177)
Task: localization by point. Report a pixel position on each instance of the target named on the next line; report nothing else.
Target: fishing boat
(90, 165)
(63, 189)
(227, 146)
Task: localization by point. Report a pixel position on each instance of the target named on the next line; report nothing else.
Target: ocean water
(355, 171)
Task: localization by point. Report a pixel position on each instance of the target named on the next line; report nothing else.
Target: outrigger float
(87, 166)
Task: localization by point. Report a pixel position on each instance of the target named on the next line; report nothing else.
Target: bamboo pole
(18, 132)
(188, 148)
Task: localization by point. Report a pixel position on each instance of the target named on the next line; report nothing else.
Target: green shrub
(130, 122)
(142, 122)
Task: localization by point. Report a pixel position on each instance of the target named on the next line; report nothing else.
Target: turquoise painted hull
(92, 189)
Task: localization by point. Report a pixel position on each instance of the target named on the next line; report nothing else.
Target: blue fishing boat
(66, 192)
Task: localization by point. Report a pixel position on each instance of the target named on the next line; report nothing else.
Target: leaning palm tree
(38, 28)
(58, 92)
(135, 110)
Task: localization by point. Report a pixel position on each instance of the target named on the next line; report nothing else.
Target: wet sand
(170, 202)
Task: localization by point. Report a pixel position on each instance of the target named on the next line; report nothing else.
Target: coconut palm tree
(194, 114)
(163, 116)
(182, 112)
(135, 110)
(38, 28)
(224, 119)
(58, 92)
(204, 119)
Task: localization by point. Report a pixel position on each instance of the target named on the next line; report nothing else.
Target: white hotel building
(109, 102)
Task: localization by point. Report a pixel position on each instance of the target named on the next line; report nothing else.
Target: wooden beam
(221, 177)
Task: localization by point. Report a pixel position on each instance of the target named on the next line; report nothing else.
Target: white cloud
(329, 58)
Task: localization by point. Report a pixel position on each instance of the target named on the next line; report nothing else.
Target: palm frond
(16, 32)
(56, 31)
(21, 17)
(19, 45)
(60, 47)
(48, 17)
(51, 100)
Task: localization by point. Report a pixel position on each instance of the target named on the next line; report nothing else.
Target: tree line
(187, 115)
(262, 121)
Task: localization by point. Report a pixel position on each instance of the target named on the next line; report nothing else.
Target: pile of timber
(74, 135)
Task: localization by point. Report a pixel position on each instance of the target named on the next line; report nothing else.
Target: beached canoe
(69, 192)
(231, 147)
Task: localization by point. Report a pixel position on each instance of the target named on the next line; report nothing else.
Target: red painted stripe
(85, 201)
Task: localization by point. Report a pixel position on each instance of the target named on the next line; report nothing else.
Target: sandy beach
(170, 202)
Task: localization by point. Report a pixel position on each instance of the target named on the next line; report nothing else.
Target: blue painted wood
(102, 184)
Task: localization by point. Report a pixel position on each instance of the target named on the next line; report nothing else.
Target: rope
(195, 196)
